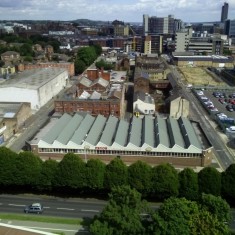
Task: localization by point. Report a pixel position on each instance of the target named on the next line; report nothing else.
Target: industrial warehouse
(37, 86)
(151, 139)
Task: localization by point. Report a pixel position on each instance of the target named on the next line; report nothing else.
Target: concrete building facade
(34, 86)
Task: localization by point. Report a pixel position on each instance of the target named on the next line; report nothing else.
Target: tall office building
(224, 12)
(145, 24)
(158, 25)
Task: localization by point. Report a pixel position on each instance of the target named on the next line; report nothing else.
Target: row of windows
(117, 152)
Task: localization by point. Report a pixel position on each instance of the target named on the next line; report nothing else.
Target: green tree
(115, 174)
(80, 66)
(28, 169)
(98, 49)
(46, 180)
(209, 180)
(28, 58)
(177, 213)
(188, 182)
(122, 215)
(71, 172)
(139, 176)
(87, 55)
(165, 181)
(207, 224)
(7, 166)
(216, 206)
(102, 64)
(228, 183)
(26, 50)
(95, 170)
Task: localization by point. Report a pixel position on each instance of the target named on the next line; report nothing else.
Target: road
(61, 207)
(220, 150)
(70, 208)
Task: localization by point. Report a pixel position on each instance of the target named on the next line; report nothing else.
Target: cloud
(126, 10)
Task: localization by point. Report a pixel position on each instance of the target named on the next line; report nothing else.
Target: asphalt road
(70, 208)
(60, 207)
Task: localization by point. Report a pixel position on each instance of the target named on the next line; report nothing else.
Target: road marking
(15, 205)
(47, 207)
(90, 210)
(56, 229)
(68, 209)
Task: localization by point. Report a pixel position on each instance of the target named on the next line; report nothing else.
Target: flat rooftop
(32, 79)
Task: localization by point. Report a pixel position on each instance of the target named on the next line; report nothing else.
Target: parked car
(204, 98)
(200, 93)
(216, 94)
(221, 115)
(232, 95)
(232, 101)
(229, 108)
(233, 106)
(214, 110)
(36, 208)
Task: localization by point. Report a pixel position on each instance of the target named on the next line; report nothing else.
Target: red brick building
(66, 65)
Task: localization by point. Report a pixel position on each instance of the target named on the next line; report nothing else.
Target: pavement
(64, 229)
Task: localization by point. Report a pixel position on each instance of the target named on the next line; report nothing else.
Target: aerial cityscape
(117, 117)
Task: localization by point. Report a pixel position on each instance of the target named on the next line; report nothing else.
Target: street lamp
(86, 147)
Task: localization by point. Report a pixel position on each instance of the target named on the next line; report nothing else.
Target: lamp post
(86, 147)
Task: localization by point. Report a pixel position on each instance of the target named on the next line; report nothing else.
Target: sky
(109, 10)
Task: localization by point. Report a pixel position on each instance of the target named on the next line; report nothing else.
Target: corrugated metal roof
(188, 133)
(95, 95)
(135, 132)
(101, 81)
(109, 131)
(57, 129)
(122, 133)
(85, 81)
(96, 130)
(175, 133)
(71, 127)
(161, 133)
(148, 130)
(83, 129)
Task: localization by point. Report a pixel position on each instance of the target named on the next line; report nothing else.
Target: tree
(177, 214)
(228, 183)
(7, 166)
(139, 176)
(79, 66)
(205, 223)
(122, 215)
(47, 175)
(71, 172)
(26, 50)
(216, 206)
(98, 49)
(115, 174)
(28, 169)
(188, 182)
(165, 181)
(87, 55)
(209, 180)
(181, 216)
(95, 170)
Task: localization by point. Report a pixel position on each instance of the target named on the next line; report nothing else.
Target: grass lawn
(40, 218)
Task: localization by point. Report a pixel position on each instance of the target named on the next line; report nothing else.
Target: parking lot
(219, 104)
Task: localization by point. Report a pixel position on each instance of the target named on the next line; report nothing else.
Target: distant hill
(91, 22)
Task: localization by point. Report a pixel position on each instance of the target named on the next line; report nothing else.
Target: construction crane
(134, 39)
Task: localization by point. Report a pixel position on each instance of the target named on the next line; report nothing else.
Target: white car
(200, 93)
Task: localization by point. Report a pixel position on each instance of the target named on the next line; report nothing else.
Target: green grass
(40, 218)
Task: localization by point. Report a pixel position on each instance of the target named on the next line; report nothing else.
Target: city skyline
(109, 10)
